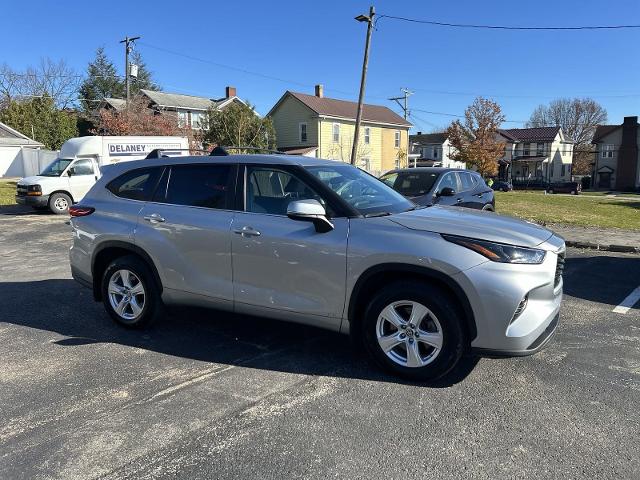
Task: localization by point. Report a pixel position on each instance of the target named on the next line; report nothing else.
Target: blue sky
(307, 42)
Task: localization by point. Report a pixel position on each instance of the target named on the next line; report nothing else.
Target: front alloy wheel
(413, 329)
(409, 333)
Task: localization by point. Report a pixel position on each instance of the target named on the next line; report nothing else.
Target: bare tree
(578, 118)
(49, 78)
(55, 79)
(10, 85)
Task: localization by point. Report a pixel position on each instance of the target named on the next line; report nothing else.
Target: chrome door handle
(458, 200)
(154, 218)
(247, 232)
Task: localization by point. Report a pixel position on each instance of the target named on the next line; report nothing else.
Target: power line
(492, 95)
(506, 27)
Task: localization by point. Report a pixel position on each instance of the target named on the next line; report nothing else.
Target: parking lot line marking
(628, 302)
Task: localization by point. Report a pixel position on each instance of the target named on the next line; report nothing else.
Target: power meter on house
(133, 70)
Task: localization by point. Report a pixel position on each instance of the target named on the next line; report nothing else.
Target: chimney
(626, 173)
(319, 91)
(230, 92)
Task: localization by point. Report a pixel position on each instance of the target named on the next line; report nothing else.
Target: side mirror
(310, 211)
(71, 171)
(446, 192)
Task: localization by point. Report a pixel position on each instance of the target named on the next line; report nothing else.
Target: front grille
(559, 268)
(21, 190)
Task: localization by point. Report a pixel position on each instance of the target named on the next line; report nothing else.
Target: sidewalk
(609, 239)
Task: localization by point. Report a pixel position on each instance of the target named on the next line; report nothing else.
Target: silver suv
(321, 243)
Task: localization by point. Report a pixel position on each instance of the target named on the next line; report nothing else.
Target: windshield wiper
(376, 214)
(417, 207)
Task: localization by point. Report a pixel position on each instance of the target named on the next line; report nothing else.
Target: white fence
(24, 161)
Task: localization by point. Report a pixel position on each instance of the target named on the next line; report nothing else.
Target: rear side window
(136, 184)
(466, 180)
(412, 184)
(200, 186)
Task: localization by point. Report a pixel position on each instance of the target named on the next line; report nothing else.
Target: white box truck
(68, 178)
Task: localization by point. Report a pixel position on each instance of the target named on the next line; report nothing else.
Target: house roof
(115, 103)
(332, 107)
(603, 131)
(429, 138)
(12, 137)
(537, 134)
(177, 100)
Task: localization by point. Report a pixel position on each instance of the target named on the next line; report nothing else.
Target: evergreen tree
(50, 126)
(102, 81)
(144, 79)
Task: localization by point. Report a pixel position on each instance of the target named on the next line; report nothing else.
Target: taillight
(80, 210)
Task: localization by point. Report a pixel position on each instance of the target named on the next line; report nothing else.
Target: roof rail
(224, 150)
(157, 152)
(218, 151)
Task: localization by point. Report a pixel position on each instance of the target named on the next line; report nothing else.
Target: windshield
(362, 191)
(56, 168)
(411, 184)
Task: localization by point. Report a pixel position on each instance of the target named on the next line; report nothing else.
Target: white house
(191, 109)
(433, 150)
(535, 156)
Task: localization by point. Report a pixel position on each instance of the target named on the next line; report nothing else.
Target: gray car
(321, 243)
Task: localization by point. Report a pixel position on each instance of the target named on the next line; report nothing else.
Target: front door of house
(604, 180)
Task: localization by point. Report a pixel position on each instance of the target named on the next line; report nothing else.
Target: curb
(603, 247)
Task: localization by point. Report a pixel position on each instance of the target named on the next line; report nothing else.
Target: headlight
(34, 188)
(499, 252)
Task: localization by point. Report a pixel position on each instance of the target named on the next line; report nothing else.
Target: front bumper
(495, 291)
(537, 345)
(33, 201)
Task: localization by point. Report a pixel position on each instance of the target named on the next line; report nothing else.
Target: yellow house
(317, 126)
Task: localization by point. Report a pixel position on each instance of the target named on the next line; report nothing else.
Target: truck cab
(64, 182)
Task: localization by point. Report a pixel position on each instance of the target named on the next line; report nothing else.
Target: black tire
(440, 303)
(57, 200)
(152, 307)
(488, 208)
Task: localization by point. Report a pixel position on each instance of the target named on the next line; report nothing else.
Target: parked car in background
(442, 186)
(502, 186)
(418, 287)
(574, 188)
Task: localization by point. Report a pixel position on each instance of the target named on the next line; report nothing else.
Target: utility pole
(403, 106)
(363, 80)
(128, 47)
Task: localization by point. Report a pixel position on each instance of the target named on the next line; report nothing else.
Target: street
(205, 394)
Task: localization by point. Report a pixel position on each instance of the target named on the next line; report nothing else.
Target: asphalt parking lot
(208, 395)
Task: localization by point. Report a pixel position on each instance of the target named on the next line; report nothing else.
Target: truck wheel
(130, 293)
(59, 203)
(413, 330)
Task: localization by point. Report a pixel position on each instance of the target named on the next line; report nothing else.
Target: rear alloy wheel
(126, 294)
(129, 292)
(413, 330)
(59, 203)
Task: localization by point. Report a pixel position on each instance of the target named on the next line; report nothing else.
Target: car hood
(38, 180)
(470, 223)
